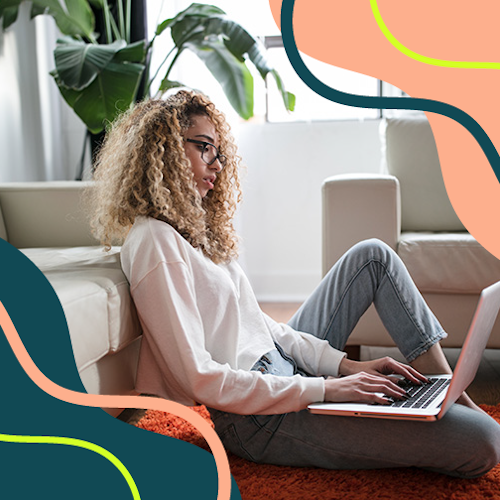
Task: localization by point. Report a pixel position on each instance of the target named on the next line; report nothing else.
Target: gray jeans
(465, 443)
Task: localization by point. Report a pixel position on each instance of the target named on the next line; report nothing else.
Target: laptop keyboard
(421, 396)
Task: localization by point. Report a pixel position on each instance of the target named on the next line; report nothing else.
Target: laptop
(431, 401)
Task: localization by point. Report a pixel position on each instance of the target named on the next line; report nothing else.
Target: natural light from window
(256, 18)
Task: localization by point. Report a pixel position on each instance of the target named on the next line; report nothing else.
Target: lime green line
(424, 59)
(81, 444)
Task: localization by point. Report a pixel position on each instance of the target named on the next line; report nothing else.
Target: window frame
(276, 41)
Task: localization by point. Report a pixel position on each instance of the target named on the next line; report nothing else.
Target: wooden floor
(485, 389)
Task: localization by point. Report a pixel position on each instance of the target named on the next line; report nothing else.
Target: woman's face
(202, 129)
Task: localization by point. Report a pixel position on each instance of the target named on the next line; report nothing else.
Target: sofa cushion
(59, 219)
(411, 155)
(94, 294)
(448, 262)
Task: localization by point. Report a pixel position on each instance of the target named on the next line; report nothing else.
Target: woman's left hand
(382, 366)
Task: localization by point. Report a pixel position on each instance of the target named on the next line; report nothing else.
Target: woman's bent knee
(483, 448)
(373, 248)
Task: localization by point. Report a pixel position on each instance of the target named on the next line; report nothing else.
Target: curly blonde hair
(142, 170)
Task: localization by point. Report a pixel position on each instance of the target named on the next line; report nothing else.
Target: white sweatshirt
(203, 331)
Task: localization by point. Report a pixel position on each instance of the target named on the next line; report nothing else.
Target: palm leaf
(232, 74)
(79, 63)
(73, 17)
(9, 14)
(191, 29)
(167, 84)
(235, 37)
(196, 10)
(260, 60)
(112, 92)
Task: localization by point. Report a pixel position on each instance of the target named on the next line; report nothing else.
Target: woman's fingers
(389, 366)
(411, 374)
(386, 386)
(370, 381)
(362, 387)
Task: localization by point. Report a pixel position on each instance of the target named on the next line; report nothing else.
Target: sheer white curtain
(36, 129)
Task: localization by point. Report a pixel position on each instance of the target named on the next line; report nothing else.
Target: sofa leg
(353, 352)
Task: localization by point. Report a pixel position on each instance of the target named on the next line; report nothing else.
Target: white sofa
(46, 222)
(407, 207)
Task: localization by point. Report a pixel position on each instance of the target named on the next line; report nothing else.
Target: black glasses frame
(222, 159)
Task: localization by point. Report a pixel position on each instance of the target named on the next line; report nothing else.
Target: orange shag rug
(257, 481)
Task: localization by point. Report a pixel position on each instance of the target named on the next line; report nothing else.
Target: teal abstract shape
(161, 467)
(360, 101)
(78, 443)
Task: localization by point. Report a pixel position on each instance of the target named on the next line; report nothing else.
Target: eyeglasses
(209, 153)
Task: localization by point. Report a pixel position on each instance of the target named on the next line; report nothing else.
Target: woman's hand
(369, 381)
(382, 366)
(362, 388)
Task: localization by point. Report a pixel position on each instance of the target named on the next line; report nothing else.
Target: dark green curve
(361, 101)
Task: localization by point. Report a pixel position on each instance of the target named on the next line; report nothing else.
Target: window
(311, 106)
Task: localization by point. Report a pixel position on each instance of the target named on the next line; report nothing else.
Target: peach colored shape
(99, 401)
(345, 34)
(447, 63)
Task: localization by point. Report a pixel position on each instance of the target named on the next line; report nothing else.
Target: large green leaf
(235, 37)
(133, 52)
(113, 90)
(79, 63)
(167, 84)
(37, 10)
(288, 97)
(99, 4)
(232, 74)
(196, 10)
(190, 29)
(257, 54)
(73, 17)
(6, 4)
(9, 14)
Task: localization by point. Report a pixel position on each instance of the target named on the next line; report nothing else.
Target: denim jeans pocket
(269, 423)
(232, 442)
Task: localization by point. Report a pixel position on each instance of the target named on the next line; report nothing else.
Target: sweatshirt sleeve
(314, 355)
(166, 301)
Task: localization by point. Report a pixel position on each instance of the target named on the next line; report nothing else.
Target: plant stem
(159, 68)
(107, 15)
(121, 20)
(116, 31)
(181, 48)
(128, 16)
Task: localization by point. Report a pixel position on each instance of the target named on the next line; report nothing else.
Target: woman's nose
(216, 165)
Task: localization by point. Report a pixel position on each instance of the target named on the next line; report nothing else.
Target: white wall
(280, 217)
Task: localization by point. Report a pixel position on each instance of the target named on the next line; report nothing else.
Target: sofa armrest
(44, 214)
(357, 207)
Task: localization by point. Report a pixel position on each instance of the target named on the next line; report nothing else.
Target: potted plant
(99, 80)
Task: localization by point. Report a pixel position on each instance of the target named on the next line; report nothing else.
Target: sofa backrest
(44, 214)
(410, 154)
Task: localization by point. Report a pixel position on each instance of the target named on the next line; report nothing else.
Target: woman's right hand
(362, 387)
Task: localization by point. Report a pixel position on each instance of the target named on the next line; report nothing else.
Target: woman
(167, 183)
